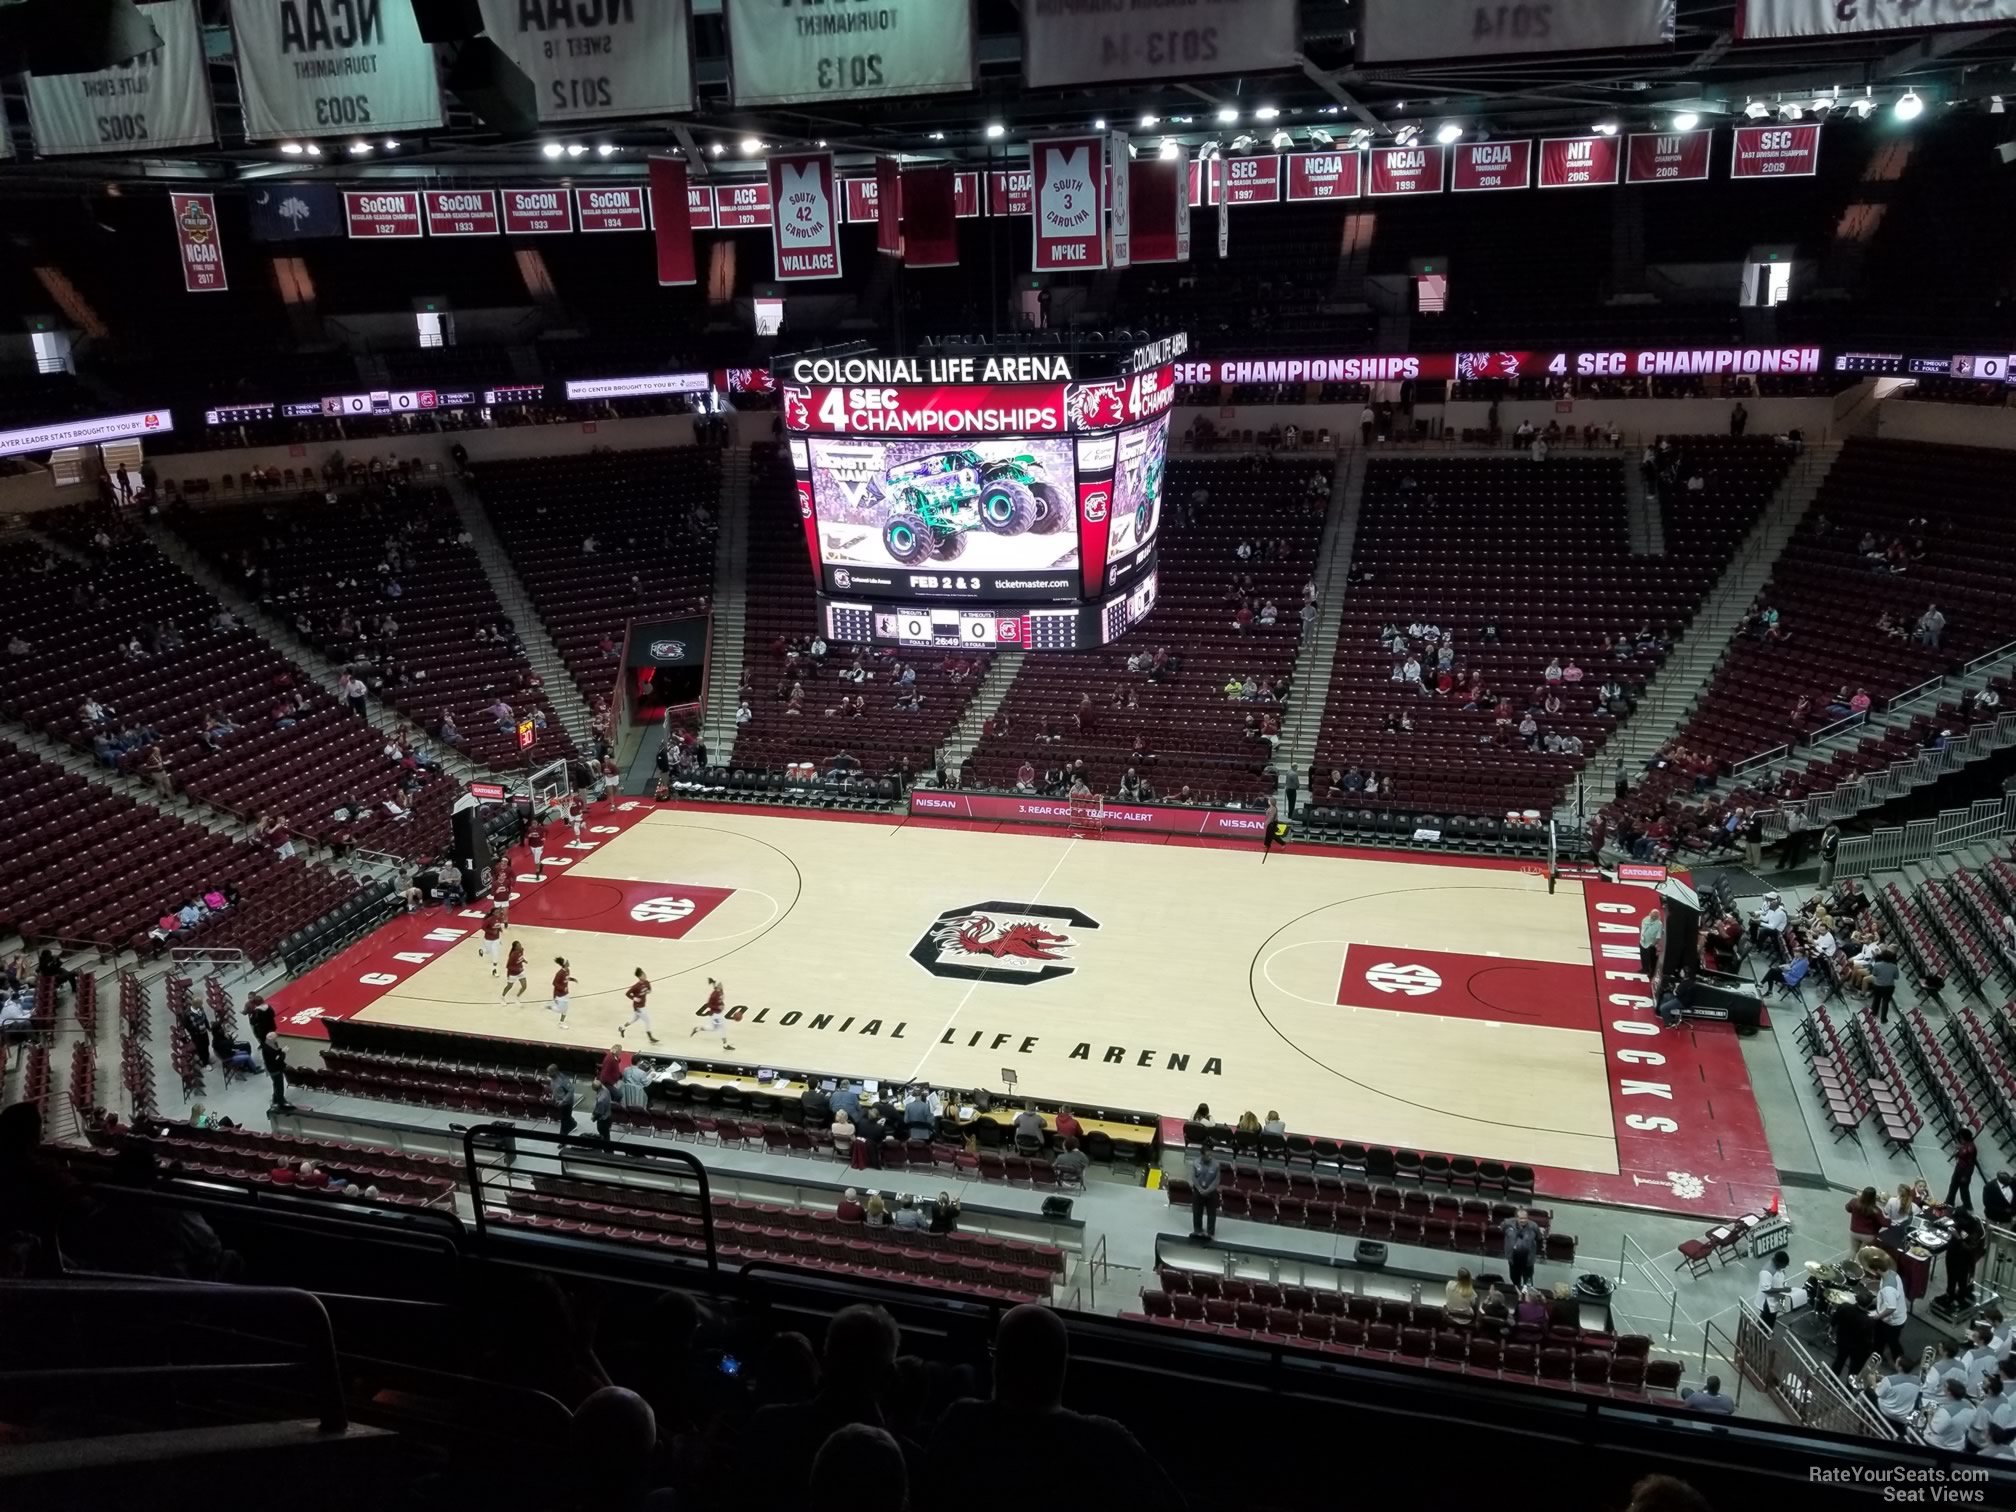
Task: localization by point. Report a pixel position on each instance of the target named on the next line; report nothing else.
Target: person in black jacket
(276, 1067)
(197, 1028)
(1998, 1201)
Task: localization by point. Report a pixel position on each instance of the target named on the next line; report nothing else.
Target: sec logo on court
(662, 910)
(1414, 981)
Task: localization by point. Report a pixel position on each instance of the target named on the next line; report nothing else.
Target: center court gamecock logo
(1013, 944)
(1414, 981)
(661, 910)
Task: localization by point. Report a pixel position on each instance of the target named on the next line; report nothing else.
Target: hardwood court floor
(1430, 1004)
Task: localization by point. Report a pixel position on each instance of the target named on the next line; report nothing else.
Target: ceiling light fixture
(750, 146)
(1756, 109)
(1910, 107)
(1995, 105)
(1170, 148)
(292, 149)
(1149, 121)
(716, 149)
(1283, 139)
(1686, 120)
(1865, 106)
(391, 144)
(1448, 132)
(1265, 113)
(1791, 112)
(359, 149)
(1100, 124)
(607, 150)
(937, 136)
(1605, 128)
(576, 149)
(314, 150)
(1228, 116)
(552, 149)
(995, 131)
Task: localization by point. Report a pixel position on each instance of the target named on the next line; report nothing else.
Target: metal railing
(1899, 778)
(1096, 1267)
(1922, 839)
(1803, 1388)
(1632, 1256)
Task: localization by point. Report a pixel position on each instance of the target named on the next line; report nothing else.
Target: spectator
(1205, 1174)
(1071, 1161)
(1459, 1297)
(1931, 625)
(1966, 1159)
(849, 1209)
(907, 1215)
(1710, 1399)
(860, 1462)
(276, 1070)
(1523, 1242)
(857, 1371)
(994, 1442)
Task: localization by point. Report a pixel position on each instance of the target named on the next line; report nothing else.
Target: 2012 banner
(805, 202)
(785, 52)
(307, 69)
(591, 61)
(160, 99)
(1070, 202)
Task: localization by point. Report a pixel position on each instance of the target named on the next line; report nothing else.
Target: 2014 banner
(785, 52)
(1070, 202)
(1394, 30)
(672, 221)
(196, 238)
(1763, 20)
(160, 99)
(1071, 42)
(805, 221)
(602, 59)
(308, 68)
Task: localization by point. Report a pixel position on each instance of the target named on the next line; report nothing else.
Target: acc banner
(196, 236)
(159, 99)
(1666, 157)
(928, 201)
(604, 58)
(1069, 176)
(672, 221)
(1392, 30)
(786, 52)
(1765, 19)
(1073, 42)
(1160, 209)
(310, 68)
(805, 201)
(739, 207)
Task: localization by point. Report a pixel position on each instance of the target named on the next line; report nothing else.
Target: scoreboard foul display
(981, 500)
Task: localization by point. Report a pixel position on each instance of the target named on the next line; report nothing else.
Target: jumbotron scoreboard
(982, 499)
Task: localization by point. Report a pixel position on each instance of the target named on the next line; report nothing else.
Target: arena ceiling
(1705, 70)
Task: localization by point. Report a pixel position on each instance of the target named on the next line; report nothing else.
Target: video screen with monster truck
(949, 518)
(1141, 457)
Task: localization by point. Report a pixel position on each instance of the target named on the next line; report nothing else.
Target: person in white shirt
(1951, 1420)
(1988, 1412)
(1767, 924)
(1776, 1295)
(1945, 1363)
(1898, 1393)
(1979, 1360)
(1903, 1207)
(1891, 1307)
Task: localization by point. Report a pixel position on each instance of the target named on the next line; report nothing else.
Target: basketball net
(1088, 815)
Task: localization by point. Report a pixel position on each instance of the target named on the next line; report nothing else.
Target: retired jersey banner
(1070, 202)
(309, 68)
(930, 223)
(159, 99)
(743, 206)
(672, 221)
(1579, 162)
(1391, 31)
(377, 213)
(805, 202)
(1763, 20)
(612, 208)
(1478, 167)
(888, 185)
(1775, 152)
(1666, 157)
(196, 237)
(536, 212)
(1160, 210)
(588, 59)
(788, 52)
(1252, 180)
(966, 193)
(1009, 191)
(462, 212)
(1321, 175)
(1076, 42)
(1405, 170)
(1119, 220)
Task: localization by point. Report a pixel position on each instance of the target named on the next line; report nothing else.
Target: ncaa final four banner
(805, 208)
(196, 237)
(786, 52)
(602, 59)
(1069, 193)
(309, 68)
(159, 99)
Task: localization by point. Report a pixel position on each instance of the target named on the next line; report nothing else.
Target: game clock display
(944, 627)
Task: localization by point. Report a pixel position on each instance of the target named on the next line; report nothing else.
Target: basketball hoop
(1088, 816)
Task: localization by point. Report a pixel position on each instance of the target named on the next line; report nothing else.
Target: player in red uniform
(639, 992)
(535, 841)
(563, 982)
(493, 932)
(715, 999)
(514, 969)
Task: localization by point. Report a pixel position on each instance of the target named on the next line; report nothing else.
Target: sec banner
(785, 52)
(1073, 42)
(1775, 152)
(600, 59)
(805, 215)
(309, 68)
(159, 99)
(1251, 180)
(1070, 215)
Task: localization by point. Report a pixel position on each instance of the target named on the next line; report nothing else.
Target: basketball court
(1439, 1004)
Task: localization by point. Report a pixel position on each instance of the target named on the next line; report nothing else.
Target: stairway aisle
(728, 632)
(1311, 689)
(986, 701)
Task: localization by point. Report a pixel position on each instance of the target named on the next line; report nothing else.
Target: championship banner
(6, 142)
(462, 212)
(1197, 166)
(1070, 42)
(699, 204)
(160, 99)
(317, 69)
(591, 61)
(1119, 220)
(888, 185)
(863, 199)
(672, 221)
(1010, 191)
(785, 52)
(196, 236)
(805, 229)
(536, 212)
(1775, 152)
(1392, 31)
(1318, 176)
(1224, 214)
(1405, 170)
(378, 214)
(1160, 211)
(1395, 367)
(966, 193)
(930, 224)
(1764, 20)
(1579, 162)
(741, 207)
(1478, 167)
(1070, 209)
(612, 209)
(1666, 157)
(1252, 180)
